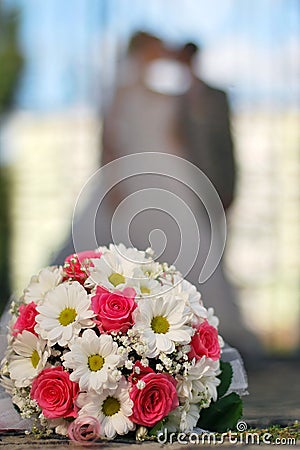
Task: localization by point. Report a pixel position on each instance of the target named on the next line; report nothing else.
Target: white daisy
(152, 269)
(40, 284)
(161, 323)
(183, 418)
(112, 409)
(116, 266)
(192, 297)
(60, 425)
(143, 285)
(108, 271)
(65, 311)
(29, 359)
(94, 360)
(200, 384)
(189, 417)
(211, 318)
(131, 255)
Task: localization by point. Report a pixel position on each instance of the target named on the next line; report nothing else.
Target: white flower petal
(164, 344)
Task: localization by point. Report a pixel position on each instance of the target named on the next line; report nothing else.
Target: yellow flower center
(95, 362)
(116, 278)
(35, 358)
(160, 325)
(145, 290)
(110, 406)
(67, 316)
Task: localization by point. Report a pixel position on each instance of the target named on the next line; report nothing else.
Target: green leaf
(157, 427)
(225, 377)
(223, 415)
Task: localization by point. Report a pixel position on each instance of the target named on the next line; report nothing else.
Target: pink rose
(55, 393)
(155, 400)
(26, 319)
(114, 310)
(84, 430)
(205, 342)
(77, 265)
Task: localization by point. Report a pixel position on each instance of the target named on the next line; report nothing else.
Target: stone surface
(274, 394)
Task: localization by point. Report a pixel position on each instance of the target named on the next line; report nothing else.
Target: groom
(204, 126)
(205, 129)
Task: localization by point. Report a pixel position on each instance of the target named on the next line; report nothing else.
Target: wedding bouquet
(113, 342)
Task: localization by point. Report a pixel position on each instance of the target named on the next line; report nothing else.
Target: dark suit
(205, 129)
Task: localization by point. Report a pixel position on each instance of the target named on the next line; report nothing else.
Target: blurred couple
(159, 105)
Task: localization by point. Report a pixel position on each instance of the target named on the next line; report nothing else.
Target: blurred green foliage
(11, 63)
(11, 60)
(5, 235)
